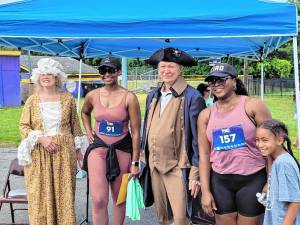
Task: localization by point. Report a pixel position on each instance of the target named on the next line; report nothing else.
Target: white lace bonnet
(48, 66)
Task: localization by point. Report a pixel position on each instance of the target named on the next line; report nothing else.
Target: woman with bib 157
(232, 169)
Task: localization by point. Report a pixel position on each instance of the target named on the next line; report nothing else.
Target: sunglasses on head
(108, 70)
(218, 80)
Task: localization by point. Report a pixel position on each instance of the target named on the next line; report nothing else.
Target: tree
(282, 67)
(273, 68)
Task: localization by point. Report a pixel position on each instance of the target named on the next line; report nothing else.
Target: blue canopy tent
(94, 28)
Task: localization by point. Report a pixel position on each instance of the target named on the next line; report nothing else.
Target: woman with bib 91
(113, 150)
(232, 169)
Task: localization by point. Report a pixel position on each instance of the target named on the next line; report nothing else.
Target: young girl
(283, 196)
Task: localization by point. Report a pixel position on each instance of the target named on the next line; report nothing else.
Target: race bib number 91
(109, 128)
(225, 139)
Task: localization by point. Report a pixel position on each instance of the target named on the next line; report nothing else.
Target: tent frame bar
(156, 37)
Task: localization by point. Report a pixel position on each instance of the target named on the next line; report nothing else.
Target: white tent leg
(30, 87)
(29, 63)
(79, 85)
(124, 72)
(262, 81)
(296, 75)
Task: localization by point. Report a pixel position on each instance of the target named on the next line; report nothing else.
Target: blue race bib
(109, 128)
(225, 139)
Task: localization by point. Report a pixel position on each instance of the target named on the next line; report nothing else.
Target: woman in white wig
(51, 142)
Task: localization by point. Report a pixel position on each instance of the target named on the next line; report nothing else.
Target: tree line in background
(278, 64)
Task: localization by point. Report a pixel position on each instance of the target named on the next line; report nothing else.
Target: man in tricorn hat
(170, 138)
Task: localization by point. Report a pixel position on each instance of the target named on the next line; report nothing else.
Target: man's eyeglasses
(108, 70)
(218, 80)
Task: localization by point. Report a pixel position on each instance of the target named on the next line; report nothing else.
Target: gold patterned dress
(50, 177)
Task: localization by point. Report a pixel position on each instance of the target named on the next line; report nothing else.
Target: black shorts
(237, 193)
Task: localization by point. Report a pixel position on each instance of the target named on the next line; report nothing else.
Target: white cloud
(7, 2)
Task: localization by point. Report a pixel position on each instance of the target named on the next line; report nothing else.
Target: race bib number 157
(225, 139)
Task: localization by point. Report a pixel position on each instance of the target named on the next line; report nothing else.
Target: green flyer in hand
(134, 199)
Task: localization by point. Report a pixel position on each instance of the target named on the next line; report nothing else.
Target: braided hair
(279, 129)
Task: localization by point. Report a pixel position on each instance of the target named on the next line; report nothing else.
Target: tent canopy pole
(124, 72)
(296, 76)
(262, 80)
(79, 85)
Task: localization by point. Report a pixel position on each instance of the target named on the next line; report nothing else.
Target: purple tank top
(111, 124)
(232, 140)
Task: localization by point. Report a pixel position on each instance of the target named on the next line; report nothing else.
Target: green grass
(282, 108)
(9, 126)
(9, 123)
(142, 101)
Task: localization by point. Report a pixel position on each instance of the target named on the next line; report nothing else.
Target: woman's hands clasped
(48, 144)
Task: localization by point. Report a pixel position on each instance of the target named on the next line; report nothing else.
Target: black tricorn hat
(171, 55)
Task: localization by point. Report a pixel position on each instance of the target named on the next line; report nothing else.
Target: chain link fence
(142, 79)
(277, 86)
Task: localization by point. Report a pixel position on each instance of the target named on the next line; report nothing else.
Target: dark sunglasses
(108, 70)
(218, 80)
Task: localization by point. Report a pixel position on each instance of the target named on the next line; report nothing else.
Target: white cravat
(164, 100)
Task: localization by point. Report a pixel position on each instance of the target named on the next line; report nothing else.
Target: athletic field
(282, 108)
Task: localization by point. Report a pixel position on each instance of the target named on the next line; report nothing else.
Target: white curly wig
(48, 66)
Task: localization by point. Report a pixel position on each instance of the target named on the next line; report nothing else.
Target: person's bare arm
(86, 116)
(135, 127)
(257, 110)
(207, 200)
(292, 212)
